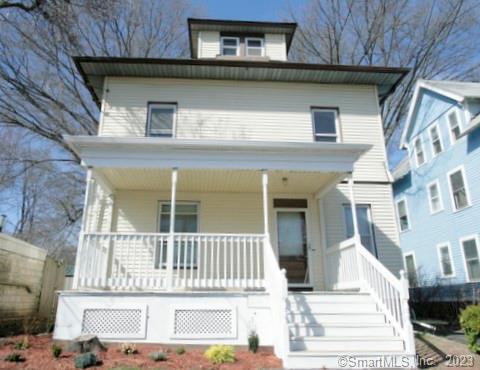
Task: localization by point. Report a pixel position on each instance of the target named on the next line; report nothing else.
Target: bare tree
(432, 37)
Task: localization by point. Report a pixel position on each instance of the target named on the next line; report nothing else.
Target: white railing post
(356, 232)
(407, 325)
(171, 235)
(265, 203)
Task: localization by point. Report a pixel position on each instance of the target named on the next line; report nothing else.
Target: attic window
(254, 46)
(230, 45)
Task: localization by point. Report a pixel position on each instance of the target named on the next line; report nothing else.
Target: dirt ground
(39, 357)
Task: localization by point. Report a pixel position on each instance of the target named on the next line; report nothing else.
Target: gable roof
(402, 169)
(455, 90)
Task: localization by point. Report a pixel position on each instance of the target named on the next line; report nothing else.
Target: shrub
(23, 344)
(180, 351)
(470, 323)
(158, 356)
(85, 360)
(253, 342)
(128, 348)
(56, 350)
(14, 357)
(220, 354)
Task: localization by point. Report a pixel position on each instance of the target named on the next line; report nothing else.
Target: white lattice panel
(204, 323)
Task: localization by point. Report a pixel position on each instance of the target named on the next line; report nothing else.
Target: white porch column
(171, 243)
(265, 203)
(356, 233)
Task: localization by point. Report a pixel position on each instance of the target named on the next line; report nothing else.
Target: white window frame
(465, 184)
(368, 206)
(419, 138)
(405, 255)
(439, 254)
(440, 198)
(149, 116)
(454, 110)
(337, 124)
(237, 50)
(262, 48)
(403, 199)
(465, 266)
(435, 127)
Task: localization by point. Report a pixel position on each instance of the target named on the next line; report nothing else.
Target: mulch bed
(39, 357)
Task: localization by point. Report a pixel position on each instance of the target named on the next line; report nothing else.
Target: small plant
(85, 360)
(14, 357)
(56, 350)
(23, 344)
(470, 323)
(158, 356)
(253, 342)
(180, 351)
(128, 348)
(220, 354)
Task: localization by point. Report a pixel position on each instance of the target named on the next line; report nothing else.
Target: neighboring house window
(445, 258)
(471, 255)
(402, 214)
(411, 267)
(365, 225)
(254, 46)
(437, 145)
(325, 125)
(230, 45)
(458, 189)
(186, 221)
(435, 197)
(161, 119)
(454, 125)
(419, 153)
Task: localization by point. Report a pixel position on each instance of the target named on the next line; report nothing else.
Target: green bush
(470, 323)
(158, 356)
(56, 350)
(253, 342)
(23, 344)
(85, 360)
(180, 351)
(220, 354)
(14, 357)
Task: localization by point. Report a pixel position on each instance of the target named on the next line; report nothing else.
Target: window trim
(262, 48)
(439, 254)
(419, 138)
(450, 133)
(460, 168)
(442, 207)
(337, 122)
(368, 206)
(432, 146)
(222, 38)
(404, 199)
(465, 266)
(405, 255)
(151, 105)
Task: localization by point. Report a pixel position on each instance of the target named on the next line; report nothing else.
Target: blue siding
(426, 230)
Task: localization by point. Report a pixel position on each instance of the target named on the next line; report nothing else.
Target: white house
(219, 201)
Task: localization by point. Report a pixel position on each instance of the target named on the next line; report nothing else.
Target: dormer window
(230, 46)
(254, 46)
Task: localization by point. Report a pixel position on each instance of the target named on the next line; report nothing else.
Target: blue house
(437, 185)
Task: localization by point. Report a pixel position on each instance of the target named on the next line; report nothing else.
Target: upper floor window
(454, 126)
(161, 119)
(471, 255)
(419, 153)
(435, 197)
(445, 257)
(402, 214)
(458, 189)
(230, 45)
(325, 125)
(254, 46)
(365, 225)
(436, 140)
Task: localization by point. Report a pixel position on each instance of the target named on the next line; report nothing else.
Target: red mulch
(39, 356)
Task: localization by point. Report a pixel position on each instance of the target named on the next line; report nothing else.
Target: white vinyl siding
(471, 256)
(459, 193)
(208, 44)
(445, 260)
(275, 46)
(242, 110)
(434, 197)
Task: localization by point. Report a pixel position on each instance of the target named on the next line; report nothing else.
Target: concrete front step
(338, 318)
(341, 330)
(365, 343)
(332, 307)
(326, 297)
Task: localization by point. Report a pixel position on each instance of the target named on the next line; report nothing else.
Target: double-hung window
(325, 125)
(435, 197)
(458, 189)
(411, 267)
(365, 225)
(445, 259)
(471, 254)
(419, 153)
(230, 45)
(254, 46)
(186, 221)
(454, 126)
(161, 119)
(436, 140)
(402, 214)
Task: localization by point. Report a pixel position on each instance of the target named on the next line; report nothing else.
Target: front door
(292, 245)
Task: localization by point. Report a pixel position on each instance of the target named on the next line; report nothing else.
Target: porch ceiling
(191, 180)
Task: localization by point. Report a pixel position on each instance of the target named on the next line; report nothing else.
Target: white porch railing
(200, 261)
(350, 265)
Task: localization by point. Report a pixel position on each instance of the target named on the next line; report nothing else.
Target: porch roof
(148, 152)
